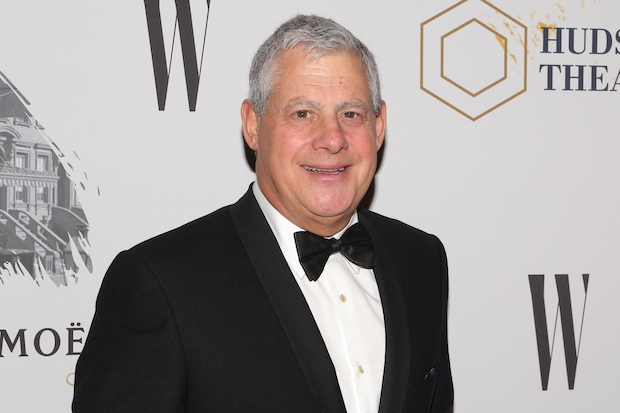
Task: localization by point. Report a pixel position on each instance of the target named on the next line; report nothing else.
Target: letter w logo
(565, 311)
(161, 67)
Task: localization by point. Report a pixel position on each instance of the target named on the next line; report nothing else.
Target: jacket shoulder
(206, 233)
(393, 228)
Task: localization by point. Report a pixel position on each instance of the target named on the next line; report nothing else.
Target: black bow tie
(314, 250)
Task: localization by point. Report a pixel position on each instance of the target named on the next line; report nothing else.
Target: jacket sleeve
(443, 397)
(133, 358)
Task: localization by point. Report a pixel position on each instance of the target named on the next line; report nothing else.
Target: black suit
(208, 318)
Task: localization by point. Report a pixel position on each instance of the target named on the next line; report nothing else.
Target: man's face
(317, 142)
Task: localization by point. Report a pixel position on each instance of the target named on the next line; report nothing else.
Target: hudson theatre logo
(473, 57)
(569, 53)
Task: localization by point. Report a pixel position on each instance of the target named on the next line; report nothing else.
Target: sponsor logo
(46, 342)
(183, 27)
(563, 311)
(473, 57)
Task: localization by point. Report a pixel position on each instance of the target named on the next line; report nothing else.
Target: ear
(380, 124)
(249, 122)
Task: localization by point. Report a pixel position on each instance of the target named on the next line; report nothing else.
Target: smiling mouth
(325, 171)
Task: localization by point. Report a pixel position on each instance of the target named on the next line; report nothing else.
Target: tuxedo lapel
(397, 355)
(288, 302)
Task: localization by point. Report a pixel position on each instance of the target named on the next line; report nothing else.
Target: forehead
(299, 61)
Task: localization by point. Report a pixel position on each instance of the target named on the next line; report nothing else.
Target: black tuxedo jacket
(208, 318)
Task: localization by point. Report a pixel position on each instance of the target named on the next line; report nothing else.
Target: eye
(351, 115)
(302, 114)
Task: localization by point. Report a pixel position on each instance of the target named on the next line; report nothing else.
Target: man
(221, 315)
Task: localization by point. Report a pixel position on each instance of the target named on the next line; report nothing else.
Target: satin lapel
(288, 302)
(397, 355)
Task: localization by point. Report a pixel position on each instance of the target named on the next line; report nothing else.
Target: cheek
(280, 160)
(368, 152)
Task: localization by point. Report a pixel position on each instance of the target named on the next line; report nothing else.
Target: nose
(330, 136)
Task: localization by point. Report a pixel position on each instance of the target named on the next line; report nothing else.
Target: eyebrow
(353, 104)
(303, 102)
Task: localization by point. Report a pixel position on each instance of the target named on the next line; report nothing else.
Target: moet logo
(182, 25)
(473, 57)
(564, 310)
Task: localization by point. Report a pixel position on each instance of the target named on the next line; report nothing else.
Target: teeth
(325, 171)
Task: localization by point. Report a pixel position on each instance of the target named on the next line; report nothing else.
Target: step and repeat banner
(503, 140)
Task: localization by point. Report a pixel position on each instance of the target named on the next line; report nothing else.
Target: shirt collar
(283, 229)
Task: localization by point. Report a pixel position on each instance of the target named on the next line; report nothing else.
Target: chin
(330, 211)
(332, 205)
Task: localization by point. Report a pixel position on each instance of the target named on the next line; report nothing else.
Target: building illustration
(43, 228)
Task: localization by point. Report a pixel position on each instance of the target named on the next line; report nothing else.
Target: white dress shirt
(347, 309)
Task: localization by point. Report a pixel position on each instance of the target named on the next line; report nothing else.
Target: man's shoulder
(212, 228)
(392, 227)
(191, 240)
(206, 245)
(401, 238)
(410, 245)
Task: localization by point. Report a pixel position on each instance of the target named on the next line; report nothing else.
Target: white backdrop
(529, 188)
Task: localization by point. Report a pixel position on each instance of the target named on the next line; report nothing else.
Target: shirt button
(343, 298)
(360, 368)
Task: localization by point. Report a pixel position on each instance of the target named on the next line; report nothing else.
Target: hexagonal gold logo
(473, 58)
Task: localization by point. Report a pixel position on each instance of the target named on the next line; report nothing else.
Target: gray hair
(319, 36)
